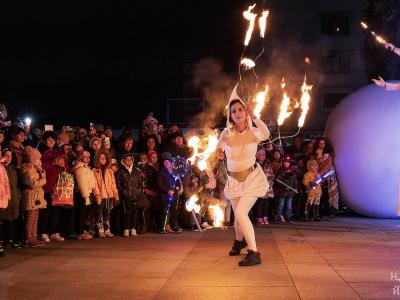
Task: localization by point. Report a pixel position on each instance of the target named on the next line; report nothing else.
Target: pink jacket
(5, 193)
(106, 184)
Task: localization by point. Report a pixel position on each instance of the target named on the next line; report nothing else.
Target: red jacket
(52, 170)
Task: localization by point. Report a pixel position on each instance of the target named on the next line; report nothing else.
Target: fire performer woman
(246, 179)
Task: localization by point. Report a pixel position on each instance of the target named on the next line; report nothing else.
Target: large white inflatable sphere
(364, 130)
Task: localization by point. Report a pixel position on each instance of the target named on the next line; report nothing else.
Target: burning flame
(248, 63)
(305, 101)
(191, 204)
(218, 216)
(284, 112)
(377, 37)
(194, 143)
(262, 22)
(202, 157)
(260, 101)
(251, 17)
(212, 145)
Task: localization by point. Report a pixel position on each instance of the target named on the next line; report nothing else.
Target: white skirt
(255, 185)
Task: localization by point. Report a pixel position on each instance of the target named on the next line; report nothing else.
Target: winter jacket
(129, 183)
(52, 170)
(33, 179)
(166, 182)
(11, 213)
(5, 192)
(309, 178)
(290, 179)
(86, 182)
(106, 184)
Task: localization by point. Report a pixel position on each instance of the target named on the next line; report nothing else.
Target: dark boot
(2, 251)
(252, 258)
(331, 213)
(237, 246)
(316, 213)
(307, 213)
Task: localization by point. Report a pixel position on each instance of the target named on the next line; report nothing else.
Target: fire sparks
(364, 25)
(378, 38)
(251, 17)
(305, 102)
(260, 100)
(218, 215)
(284, 112)
(191, 204)
(262, 22)
(248, 63)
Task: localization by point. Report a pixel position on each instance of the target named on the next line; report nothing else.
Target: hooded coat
(86, 182)
(33, 178)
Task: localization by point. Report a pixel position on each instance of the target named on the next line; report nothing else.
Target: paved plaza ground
(350, 258)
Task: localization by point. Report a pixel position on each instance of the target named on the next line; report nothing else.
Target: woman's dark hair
(49, 134)
(327, 149)
(231, 104)
(151, 136)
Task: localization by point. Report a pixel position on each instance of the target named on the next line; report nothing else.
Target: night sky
(74, 64)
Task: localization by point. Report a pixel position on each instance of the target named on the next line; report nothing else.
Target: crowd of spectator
(81, 183)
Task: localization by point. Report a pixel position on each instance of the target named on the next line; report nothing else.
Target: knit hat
(311, 162)
(166, 156)
(149, 118)
(31, 154)
(152, 153)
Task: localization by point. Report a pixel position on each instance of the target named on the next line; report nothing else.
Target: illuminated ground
(350, 258)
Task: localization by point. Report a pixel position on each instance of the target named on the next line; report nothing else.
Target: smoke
(281, 58)
(216, 87)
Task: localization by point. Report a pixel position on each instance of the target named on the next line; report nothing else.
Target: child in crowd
(86, 196)
(129, 182)
(314, 192)
(262, 204)
(286, 183)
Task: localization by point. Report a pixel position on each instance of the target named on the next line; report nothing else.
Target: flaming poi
(284, 108)
(251, 17)
(260, 100)
(378, 38)
(248, 63)
(192, 206)
(218, 216)
(305, 101)
(202, 157)
(262, 22)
